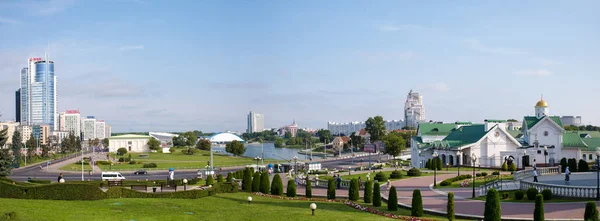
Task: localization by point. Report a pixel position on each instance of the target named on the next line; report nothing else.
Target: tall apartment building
(100, 129)
(25, 131)
(11, 126)
(108, 130)
(61, 121)
(72, 122)
(414, 111)
(256, 122)
(38, 93)
(89, 128)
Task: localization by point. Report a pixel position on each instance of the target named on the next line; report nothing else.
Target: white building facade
(11, 127)
(72, 122)
(351, 127)
(100, 129)
(414, 111)
(256, 122)
(89, 128)
(131, 142)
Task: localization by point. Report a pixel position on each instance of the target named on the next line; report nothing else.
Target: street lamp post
(458, 155)
(82, 164)
(257, 158)
(296, 164)
(473, 159)
(434, 155)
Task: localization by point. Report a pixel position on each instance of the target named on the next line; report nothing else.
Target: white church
(541, 138)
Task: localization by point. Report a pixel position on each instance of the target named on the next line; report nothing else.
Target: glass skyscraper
(38, 93)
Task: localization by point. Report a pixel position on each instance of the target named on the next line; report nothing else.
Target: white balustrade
(560, 190)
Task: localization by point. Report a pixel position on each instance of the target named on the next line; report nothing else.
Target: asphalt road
(35, 173)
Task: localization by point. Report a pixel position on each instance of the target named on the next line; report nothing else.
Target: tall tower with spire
(541, 108)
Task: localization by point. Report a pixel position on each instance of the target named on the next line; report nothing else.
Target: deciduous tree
(376, 128)
(236, 148)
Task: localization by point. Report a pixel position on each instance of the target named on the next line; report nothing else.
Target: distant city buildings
(414, 112)
(100, 129)
(18, 105)
(71, 122)
(11, 126)
(88, 125)
(38, 93)
(256, 122)
(292, 129)
(351, 127)
(571, 121)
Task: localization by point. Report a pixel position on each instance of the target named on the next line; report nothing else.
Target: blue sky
(180, 65)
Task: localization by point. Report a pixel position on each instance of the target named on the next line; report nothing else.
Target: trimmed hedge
(547, 194)
(380, 177)
(225, 187)
(563, 164)
(531, 193)
(484, 173)
(538, 211)
(265, 186)
(496, 173)
(413, 172)
(63, 191)
(416, 204)
(276, 185)
(583, 166)
(308, 189)
(591, 212)
(450, 207)
(449, 181)
(368, 192)
(220, 178)
(504, 166)
(331, 189)
(256, 182)
(291, 189)
(41, 181)
(210, 180)
(229, 177)
(519, 194)
(376, 195)
(396, 174)
(353, 190)
(150, 165)
(492, 206)
(512, 167)
(247, 180)
(572, 163)
(392, 199)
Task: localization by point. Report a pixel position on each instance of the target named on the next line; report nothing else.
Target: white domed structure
(224, 138)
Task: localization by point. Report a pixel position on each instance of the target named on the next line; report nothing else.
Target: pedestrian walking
(535, 180)
(60, 177)
(567, 174)
(534, 164)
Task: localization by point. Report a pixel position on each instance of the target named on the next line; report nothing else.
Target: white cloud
(131, 47)
(9, 21)
(536, 72)
(475, 44)
(437, 86)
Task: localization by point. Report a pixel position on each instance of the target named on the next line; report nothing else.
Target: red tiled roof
(362, 132)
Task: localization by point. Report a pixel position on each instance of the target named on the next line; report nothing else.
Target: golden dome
(541, 103)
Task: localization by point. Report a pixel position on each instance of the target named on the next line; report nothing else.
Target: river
(253, 150)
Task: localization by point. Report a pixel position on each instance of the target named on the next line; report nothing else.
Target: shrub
(504, 166)
(538, 212)
(9, 216)
(504, 195)
(121, 160)
(264, 183)
(531, 193)
(396, 174)
(194, 181)
(41, 181)
(229, 177)
(210, 180)
(277, 185)
(583, 166)
(331, 189)
(478, 174)
(496, 173)
(512, 167)
(247, 180)
(519, 195)
(291, 189)
(445, 183)
(380, 177)
(417, 204)
(484, 173)
(150, 165)
(449, 181)
(220, 178)
(469, 176)
(492, 206)
(308, 189)
(547, 194)
(572, 163)
(132, 162)
(428, 164)
(413, 172)
(353, 190)
(368, 192)
(121, 151)
(376, 195)
(591, 212)
(450, 207)
(392, 199)
(103, 162)
(256, 182)
(439, 164)
(563, 164)
(62, 191)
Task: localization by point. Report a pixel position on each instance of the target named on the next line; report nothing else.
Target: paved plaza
(576, 179)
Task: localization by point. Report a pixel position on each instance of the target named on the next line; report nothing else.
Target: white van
(112, 176)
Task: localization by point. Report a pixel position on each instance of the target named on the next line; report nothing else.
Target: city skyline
(204, 65)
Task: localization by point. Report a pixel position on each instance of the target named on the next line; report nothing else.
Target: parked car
(140, 172)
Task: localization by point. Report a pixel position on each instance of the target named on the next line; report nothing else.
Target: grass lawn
(478, 182)
(76, 167)
(401, 211)
(511, 198)
(179, 160)
(40, 159)
(221, 207)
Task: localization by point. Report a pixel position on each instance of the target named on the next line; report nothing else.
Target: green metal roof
(433, 129)
(592, 134)
(515, 133)
(130, 136)
(572, 139)
(531, 121)
(466, 135)
(592, 144)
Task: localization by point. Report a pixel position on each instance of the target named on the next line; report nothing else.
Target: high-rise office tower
(38, 93)
(414, 111)
(18, 105)
(100, 129)
(89, 128)
(72, 122)
(256, 122)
